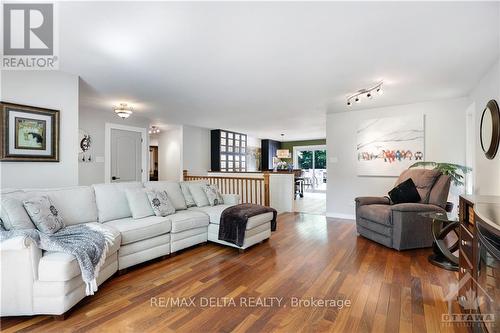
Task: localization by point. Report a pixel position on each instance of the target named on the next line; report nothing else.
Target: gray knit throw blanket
(89, 243)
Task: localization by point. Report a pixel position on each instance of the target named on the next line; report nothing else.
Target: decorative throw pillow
(160, 203)
(187, 194)
(213, 195)
(404, 192)
(44, 215)
(139, 204)
(13, 214)
(198, 194)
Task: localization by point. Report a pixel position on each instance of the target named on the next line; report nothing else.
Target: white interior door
(126, 156)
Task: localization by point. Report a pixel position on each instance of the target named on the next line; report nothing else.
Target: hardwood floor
(308, 256)
(311, 203)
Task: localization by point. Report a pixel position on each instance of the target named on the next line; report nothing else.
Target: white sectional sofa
(40, 282)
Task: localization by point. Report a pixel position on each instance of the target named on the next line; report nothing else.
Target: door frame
(107, 149)
(297, 148)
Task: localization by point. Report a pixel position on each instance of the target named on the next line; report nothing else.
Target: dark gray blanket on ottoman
(233, 221)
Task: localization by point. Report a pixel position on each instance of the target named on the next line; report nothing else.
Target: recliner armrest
(416, 207)
(362, 201)
(231, 199)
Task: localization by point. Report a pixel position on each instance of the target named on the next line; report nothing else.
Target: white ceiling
(271, 68)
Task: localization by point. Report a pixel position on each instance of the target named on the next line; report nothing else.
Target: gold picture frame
(28, 133)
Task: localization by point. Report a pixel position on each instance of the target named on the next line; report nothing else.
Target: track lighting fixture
(366, 92)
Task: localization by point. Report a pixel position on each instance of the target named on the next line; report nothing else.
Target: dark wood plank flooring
(309, 256)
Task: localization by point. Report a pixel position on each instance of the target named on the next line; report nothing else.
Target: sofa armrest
(362, 201)
(416, 207)
(231, 199)
(20, 258)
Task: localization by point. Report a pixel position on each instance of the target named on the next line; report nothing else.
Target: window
(233, 148)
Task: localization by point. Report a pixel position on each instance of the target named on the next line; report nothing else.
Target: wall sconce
(123, 111)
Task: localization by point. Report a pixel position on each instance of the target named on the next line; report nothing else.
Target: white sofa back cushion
(199, 194)
(139, 203)
(187, 194)
(112, 203)
(12, 211)
(173, 190)
(76, 204)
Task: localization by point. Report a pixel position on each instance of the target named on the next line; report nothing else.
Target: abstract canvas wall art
(387, 146)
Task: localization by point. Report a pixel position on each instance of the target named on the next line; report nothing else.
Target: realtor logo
(470, 302)
(28, 36)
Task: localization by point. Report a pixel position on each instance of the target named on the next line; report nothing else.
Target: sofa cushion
(12, 212)
(214, 212)
(213, 194)
(173, 190)
(187, 194)
(198, 194)
(44, 214)
(58, 266)
(76, 204)
(135, 230)
(112, 203)
(139, 203)
(162, 206)
(424, 181)
(189, 219)
(378, 213)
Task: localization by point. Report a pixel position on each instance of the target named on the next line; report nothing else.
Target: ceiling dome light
(123, 111)
(154, 130)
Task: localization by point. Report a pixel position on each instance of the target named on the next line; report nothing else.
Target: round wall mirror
(490, 129)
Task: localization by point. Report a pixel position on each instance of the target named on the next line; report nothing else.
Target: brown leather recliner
(400, 226)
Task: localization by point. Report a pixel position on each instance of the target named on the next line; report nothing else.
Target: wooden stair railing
(250, 189)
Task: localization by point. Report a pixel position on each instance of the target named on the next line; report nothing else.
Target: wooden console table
(476, 277)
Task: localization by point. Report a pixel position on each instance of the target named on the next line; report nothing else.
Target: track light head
(357, 100)
(380, 91)
(369, 95)
(349, 103)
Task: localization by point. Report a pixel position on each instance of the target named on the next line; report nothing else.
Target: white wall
(53, 90)
(444, 141)
(93, 120)
(170, 154)
(195, 150)
(486, 172)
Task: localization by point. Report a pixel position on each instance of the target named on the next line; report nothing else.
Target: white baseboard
(341, 216)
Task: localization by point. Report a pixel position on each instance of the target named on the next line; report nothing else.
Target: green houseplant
(455, 171)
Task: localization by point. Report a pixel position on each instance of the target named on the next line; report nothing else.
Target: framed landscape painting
(387, 146)
(29, 133)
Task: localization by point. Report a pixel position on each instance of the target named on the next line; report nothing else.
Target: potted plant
(455, 171)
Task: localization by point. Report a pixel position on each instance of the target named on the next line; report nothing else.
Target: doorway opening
(312, 163)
